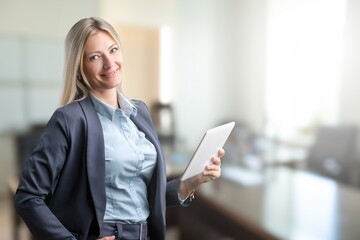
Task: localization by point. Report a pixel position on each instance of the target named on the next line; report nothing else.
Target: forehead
(99, 41)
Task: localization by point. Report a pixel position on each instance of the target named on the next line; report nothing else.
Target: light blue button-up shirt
(129, 162)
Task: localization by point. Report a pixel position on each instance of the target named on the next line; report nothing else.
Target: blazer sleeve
(38, 180)
(172, 196)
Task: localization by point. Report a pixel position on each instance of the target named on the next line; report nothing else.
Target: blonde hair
(76, 85)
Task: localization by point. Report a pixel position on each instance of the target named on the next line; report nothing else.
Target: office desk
(289, 204)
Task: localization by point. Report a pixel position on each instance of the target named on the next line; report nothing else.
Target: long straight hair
(76, 85)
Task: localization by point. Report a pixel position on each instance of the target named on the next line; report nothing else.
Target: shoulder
(71, 113)
(70, 107)
(78, 107)
(69, 110)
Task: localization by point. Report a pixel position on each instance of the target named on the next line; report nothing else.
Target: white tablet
(213, 139)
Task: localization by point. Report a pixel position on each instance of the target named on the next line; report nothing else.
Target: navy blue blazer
(61, 194)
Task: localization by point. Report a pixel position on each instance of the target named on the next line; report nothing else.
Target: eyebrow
(111, 46)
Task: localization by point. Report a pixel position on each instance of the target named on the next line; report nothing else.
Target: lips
(109, 74)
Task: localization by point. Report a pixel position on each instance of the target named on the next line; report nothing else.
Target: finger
(215, 161)
(214, 167)
(213, 173)
(221, 152)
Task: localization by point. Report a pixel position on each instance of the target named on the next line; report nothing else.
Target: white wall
(350, 94)
(154, 13)
(44, 18)
(205, 92)
(251, 43)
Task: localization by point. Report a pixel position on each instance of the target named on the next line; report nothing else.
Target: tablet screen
(213, 139)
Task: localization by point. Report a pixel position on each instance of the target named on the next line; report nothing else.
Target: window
(304, 65)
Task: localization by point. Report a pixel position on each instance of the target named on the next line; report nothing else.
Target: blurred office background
(286, 71)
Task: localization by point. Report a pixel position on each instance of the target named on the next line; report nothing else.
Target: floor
(6, 224)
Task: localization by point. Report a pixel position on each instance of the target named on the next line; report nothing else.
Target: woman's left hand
(211, 172)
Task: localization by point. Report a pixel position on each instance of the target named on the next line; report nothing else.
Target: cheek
(90, 70)
(120, 59)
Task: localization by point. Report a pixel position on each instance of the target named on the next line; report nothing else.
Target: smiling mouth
(109, 74)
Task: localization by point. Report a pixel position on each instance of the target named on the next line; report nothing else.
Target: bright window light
(304, 65)
(166, 80)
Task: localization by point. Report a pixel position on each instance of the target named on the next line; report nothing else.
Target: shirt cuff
(186, 201)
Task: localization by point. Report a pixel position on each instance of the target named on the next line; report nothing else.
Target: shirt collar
(108, 111)
(126, 105)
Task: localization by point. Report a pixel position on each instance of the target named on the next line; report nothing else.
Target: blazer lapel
(141, 124)
(157, 188)
(95, 158)
(143, 121)
(144, 124)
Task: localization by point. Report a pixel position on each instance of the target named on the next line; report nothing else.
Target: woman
(98, 171)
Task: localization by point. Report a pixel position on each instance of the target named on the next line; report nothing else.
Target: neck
(109, 97)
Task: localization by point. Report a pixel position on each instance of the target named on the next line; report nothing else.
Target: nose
(107, 62)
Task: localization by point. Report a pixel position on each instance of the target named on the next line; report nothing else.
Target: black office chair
(164, 122)
(333, 154)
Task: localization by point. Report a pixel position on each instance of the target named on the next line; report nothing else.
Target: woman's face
(102, 62)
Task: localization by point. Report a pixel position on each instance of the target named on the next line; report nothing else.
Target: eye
(113, 50)
(94, 57)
